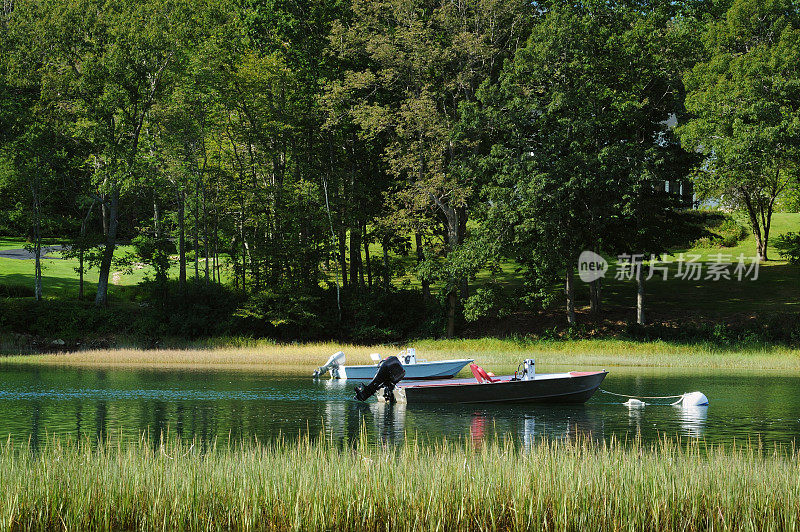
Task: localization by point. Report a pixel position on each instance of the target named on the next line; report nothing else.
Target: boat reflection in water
(527, 425)
(690, 420)
(635, 416)
(389, 422)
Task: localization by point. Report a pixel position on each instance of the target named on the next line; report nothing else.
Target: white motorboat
(414, 368)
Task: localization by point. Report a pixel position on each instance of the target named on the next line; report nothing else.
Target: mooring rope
(642, 396)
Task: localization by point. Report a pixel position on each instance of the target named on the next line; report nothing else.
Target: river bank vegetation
(499, 356)
(321, 485)
(370, 171)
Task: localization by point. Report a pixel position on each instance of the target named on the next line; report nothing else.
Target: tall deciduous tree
(105, 66)
(744, 98)
(580, 112)
(414, 63)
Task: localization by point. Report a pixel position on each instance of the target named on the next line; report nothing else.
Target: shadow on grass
(63, 287)
(777, 289)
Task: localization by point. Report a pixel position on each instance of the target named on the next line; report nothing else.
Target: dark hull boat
(572, 387)
(525, 386)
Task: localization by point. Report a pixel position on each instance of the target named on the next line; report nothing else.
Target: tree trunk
(639, 293)
(182, 240)
(244, 250)
(205, 232)
(82, 249)
(766, 224)
(569, 291)
(366, 258)
(343, 254)
(452, 301)
(216, 246)
(386, 272)
(426, 284)
(594, 297)
(196, 238)
(455, 236)
(80, 273)
(37, 246)
(356, 271)
(156, 220)
(104, 217)
(755, 225)
(101, 299)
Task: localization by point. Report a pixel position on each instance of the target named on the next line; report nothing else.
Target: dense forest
(284, 167)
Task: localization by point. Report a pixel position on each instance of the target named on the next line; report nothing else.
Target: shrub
(13, 290)
(788, 247)
(280, 313)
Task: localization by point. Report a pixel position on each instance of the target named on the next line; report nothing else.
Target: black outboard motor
(390, 372)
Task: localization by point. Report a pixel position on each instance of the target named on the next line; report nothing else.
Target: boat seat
(480, 374)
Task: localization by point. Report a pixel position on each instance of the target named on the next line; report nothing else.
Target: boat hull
(442, 369)
(575, 387)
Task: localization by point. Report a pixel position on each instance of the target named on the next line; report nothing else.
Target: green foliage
(580, 120)
(744, 100)
(487, 302)
(276, 146)
(788, 246)
(280, 315)
(156, 253)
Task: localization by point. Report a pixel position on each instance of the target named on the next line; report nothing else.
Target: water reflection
(693, 419)
(204, 406)
(388, 421)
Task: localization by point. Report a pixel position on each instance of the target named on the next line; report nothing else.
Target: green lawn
(59, 277)
(776, 289)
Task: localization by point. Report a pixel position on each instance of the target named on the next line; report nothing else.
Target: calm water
(36, 403)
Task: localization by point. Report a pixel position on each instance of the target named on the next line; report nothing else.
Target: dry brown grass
(281, 358)
(496, 355)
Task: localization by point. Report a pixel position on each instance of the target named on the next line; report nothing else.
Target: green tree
(744, 100)
(580, 114)
(104, 65)
(411, 65)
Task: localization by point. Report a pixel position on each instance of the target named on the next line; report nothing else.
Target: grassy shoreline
(496, 355)
(319, 485)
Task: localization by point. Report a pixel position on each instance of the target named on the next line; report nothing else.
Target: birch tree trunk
(569, 291)
(426, 285)
(639, 293)
(37, 242)
(367, 263)
(182, 240)
(112, 208)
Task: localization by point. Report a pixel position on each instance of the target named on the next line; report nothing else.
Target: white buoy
(692, 399)
(634, 403)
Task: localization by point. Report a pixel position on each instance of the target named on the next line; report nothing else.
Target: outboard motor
(390, 372)
(337, 359)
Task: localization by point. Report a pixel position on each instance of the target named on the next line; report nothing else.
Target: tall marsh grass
(321, 485)
(494, 354)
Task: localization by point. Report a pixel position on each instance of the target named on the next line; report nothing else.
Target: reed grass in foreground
(319, 485)
(497, 355)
